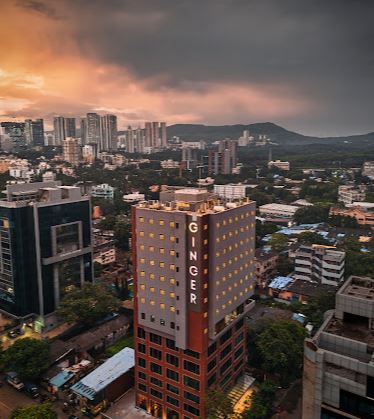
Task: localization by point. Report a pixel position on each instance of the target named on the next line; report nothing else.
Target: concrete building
(266, 267)
(70, 127)
(224, 160)
(155, 135)
(363, 216)
(59, 130)
(349, 194)
(12, 136)
(190, 157)
(368, 169)
(245, 139)
(104, 191)
(93, 129)
(169, 164)
(231, 190)
(49, 176)
(34, 132)
(89, 153)
(193, 259)
(133, 197)
(72, 152)
(281, 165)
(45, 248)
(338, 379)
(322, 264)
(109, 134)
(104, 249)
(280, 212)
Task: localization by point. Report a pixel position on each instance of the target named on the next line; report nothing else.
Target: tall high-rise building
(93, 129)
(12, 136)
(193, 261)
(338, 376)
(72, 152)
(83, 130)
(59, 130)
(148, 134)
(224, 160)
(70, 127)
(155, 135)
(109, 134)
(163, 135)
(34, 132)
(45, 248)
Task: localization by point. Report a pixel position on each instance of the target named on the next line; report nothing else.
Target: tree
(310, 237)
(278, 242)
(218, 404)
(87, 305)
(122, 234)
(311, 215)
(316, 307)
(284, 266)
(28, 357)
(261, 402)
(35, 411)
(108, 222)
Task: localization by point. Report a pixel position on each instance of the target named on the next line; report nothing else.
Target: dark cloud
(39, 7)
(320, 49)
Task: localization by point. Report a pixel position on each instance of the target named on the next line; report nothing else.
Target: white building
(231, 190)
(368, 169)
(104, 191)
(281, 165)
(49, 176)
(245, 139)
(133, 197)
(349, 194)
(278, 211)
(322, 264)
(169, 164)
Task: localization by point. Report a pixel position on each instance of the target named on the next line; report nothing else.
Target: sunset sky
(305, 64)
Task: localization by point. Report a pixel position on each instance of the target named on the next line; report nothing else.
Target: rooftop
(359, 287)
(105, 374)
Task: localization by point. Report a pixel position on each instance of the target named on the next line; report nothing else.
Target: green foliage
(87, 305)
(357, 262)
(343, 221)
(28, 357)
(278, 242)
(284, 265)
(108, 222)
(277, 348)
(316, 307)
(218, 404)
(310, 237)
(125, 342)
(35, 411)
(261, 402)
(263, 229)
(319, 191)
(312, 214)
(122, 233)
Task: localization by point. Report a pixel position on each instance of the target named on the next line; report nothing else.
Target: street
(11, 398)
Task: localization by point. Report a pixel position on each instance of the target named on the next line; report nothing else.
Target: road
(11, 398)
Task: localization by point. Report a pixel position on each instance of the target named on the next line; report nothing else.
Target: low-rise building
(362, 216)
(104, 249)
(321, 264)
(266, 266)
(104, 191)
(133, 197)
(281, 165)
(349, 194)
(169, 164)
(368, 169)
(338, 378)
(275, 212)
(231, 190)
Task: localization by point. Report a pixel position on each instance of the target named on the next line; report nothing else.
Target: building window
(141, 333)
(156, 368)
(225, 351)
(161, 237)
(191, 366)
(225, 366)
(156, 381)
(142, 375)
(156, 393)
(212, 348)
(141, 348)
(212, 380)
(225, 337)
(194, 354)
(141, 219)
(191, 409)
(155, 338)
(162, 222)
(173, 360)
(142, 387)
(212, 364)
(142, 362)
(191, 382)
(239, 338)
(171, 344)
(192, 397)
(173, 375)
(172, 401)
(155, 353)
(172, 388)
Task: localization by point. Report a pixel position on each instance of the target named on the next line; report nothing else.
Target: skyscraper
(59, 130)
(223, 160)
(34, 132)
(163, 135)
(93, 129)
(71, 151)
(148, 134)
(70, 127)
(109, 134)
(83, 129)
(45, 237)
(12, 136)
(194, 273)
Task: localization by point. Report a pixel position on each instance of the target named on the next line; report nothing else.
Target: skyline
(303, 66)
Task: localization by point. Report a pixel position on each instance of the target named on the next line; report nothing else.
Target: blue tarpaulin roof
(61, 378)
(105, 374)
(280, 282)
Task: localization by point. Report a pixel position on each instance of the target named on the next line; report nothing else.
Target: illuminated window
(172, 281)
(162, 264)
(142, 273)
(152, 262)
(224, 222)
(162, 278)
(151, 276)
(223, 292)
(235, 297)
(172, 309)
(223, 306)
(151, 235)
(217, 310)
(142, 300)
(162, 292)
(205, 242)
(218, 240)
(162, 250)
(162, 306)
(205, 299)
(242, 216)
(224, 237)
(242, 229)
(172, 252)
(142, 286)
(151, 221)
(161, 236)
(205, 331)
(218, 225)
(236, 218)
(206, 314)
(205, 271)
(172, 267)
(217, 268)
(230, 302)
(172, 295)
(142, 247)
(205, 285)
(230, 220)
(162, 222)
(206, 256)
(218, 254)
(151, 248)
(141, 233)
(141, 219)
(230, 248)
(152, 302)
(205, 227)
(142, 260)
(152, 289)
(172, 238)
(172, 224)
(224, 279)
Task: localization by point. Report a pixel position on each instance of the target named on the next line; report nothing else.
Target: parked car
(31, 390)
(12, 334)
(13, 380)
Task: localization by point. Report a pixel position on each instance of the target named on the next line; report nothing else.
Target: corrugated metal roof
(61, 378)
(280, 282)
(105, 374)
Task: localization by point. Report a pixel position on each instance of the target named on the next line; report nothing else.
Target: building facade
(323, 264)
(338, 378)
(363, 216)
(194, 276)
(109, 134)
(45, 238)
(349, 194)
(231, 190)
(72, 152)
(12, 136)
(104, 191)
(59, 130)
(70, 127)
(93, 129)
(34, 132)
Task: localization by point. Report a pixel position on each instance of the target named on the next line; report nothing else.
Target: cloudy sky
(305, 64)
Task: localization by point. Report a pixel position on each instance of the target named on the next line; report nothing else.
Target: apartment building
(349, 194)
(231, 190)
(194, 275)
(362, 215)
(338, 379)
(281, 212)
(323, 264)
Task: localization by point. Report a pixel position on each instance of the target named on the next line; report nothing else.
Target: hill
(276, 133)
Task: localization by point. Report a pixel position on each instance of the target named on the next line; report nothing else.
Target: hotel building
(194, 275)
